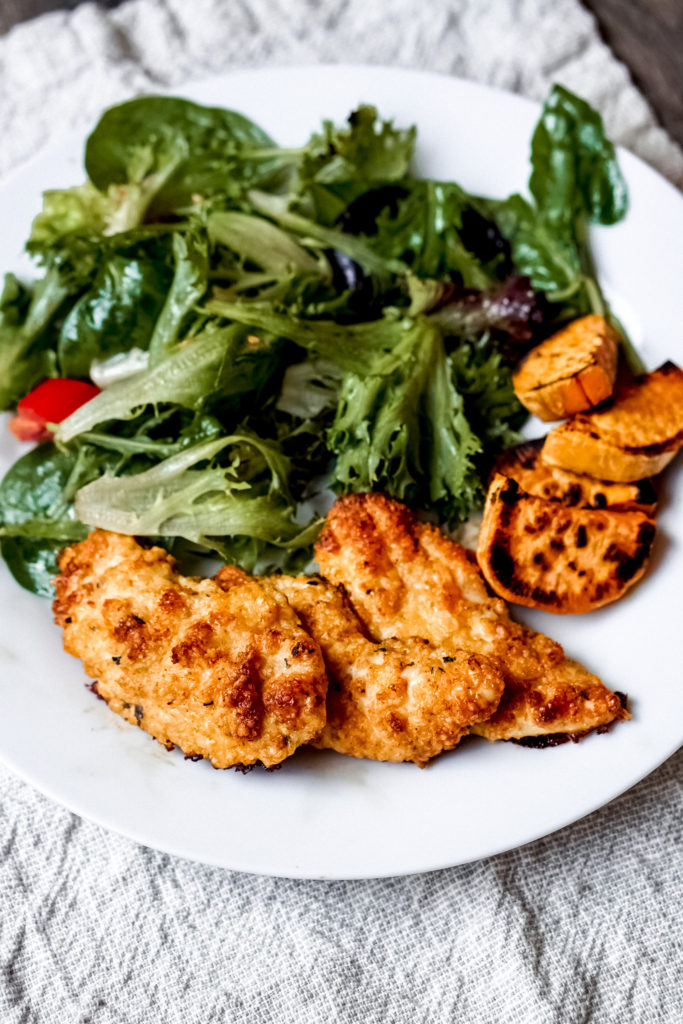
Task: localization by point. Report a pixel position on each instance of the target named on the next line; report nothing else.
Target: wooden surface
(647, 35)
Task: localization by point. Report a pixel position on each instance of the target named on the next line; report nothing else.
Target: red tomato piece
(50, 402)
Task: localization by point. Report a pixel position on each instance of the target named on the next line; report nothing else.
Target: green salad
(224, 330)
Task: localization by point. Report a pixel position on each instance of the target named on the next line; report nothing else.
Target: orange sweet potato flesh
(635, 435)
(562, 559)
(523, 463)
(569, 372)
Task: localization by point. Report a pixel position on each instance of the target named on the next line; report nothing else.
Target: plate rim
(51, 791)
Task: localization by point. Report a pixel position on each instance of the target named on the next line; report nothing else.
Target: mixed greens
(265, 323)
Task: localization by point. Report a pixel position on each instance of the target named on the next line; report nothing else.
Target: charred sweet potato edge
(503, 565)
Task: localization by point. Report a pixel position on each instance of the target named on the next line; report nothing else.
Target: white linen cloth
(584, 927)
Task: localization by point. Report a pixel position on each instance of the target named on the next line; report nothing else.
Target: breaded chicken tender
(405, 578)
(398, 700)
(223, 672)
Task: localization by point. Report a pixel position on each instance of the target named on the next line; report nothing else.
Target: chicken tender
(398, 700)
(405, 578)
(223, 672)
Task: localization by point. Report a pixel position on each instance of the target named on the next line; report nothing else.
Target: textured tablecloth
(584, 927)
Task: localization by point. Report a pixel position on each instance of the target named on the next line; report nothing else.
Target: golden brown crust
(569, 372)
(223, 672)
(565, 560)
(634, 435)
(406, 578)
(394, 700)
(523, 463)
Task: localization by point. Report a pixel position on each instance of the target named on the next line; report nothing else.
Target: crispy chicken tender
(224, 672)
(398, 700)
(405, 578)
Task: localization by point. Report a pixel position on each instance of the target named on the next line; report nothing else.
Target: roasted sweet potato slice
(523, 464)
(547, 555)
(569, 372)
(635, 436)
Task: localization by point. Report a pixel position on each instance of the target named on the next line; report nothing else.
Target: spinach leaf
(22, 370)
(24, 318)
(575, 180)
(118, 313)
(17, 372)
(574, 166)
(34, 493)
(171, 150)
(423, 231)
(33, 562)
(36, 519)
(547, 257)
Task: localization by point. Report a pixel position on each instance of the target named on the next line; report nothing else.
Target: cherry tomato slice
(50, 402)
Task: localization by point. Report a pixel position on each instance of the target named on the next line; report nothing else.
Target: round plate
(323, 815)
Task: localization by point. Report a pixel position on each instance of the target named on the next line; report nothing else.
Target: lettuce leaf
(193, 373)
(190, 282)
(309, 312)
(175, 498)
(402, 429)
(365, 149)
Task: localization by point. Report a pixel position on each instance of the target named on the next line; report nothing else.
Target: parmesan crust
(223, 672)
(405, 578)
(398, 699)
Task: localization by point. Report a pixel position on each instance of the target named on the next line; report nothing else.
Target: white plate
(323, 815)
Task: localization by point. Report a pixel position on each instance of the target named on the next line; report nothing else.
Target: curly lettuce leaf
(402, 429)
(365, 149)
(176, 498)
(423, 230)
(79, 210)
(484, 380)
(188, 377)
(353, 347)
(190, 282)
